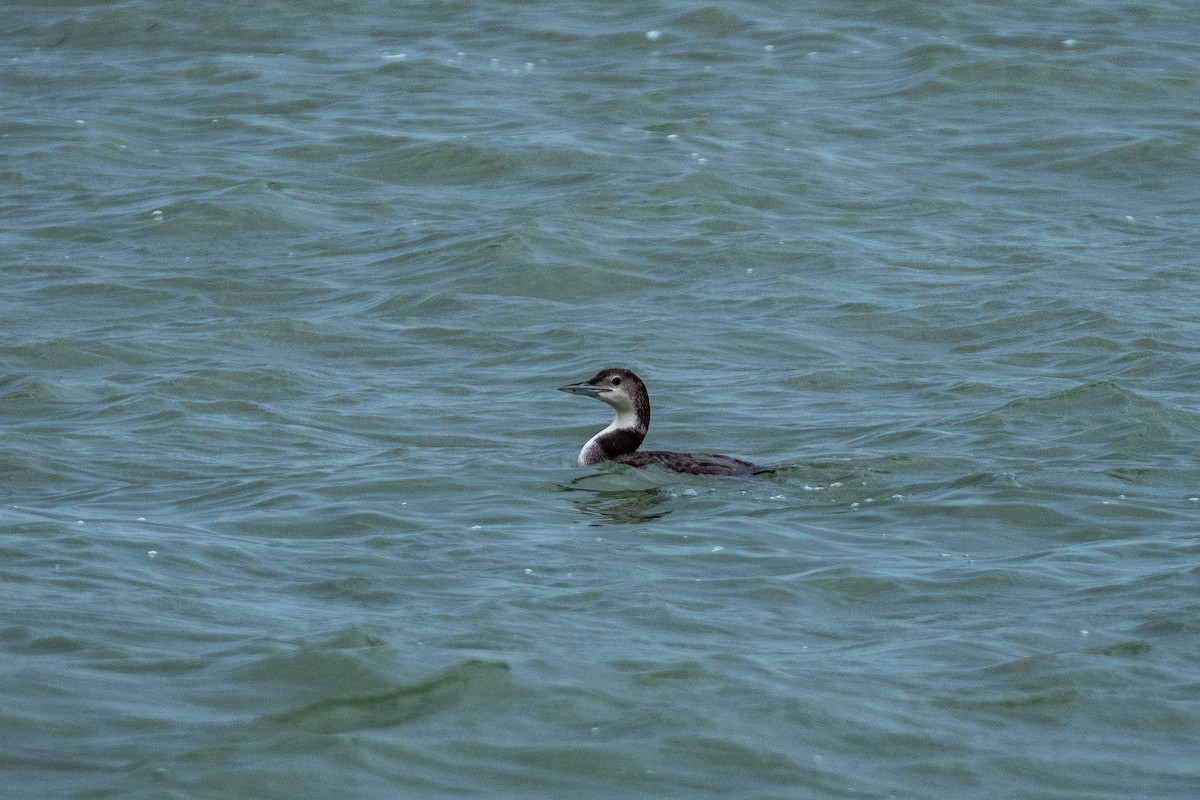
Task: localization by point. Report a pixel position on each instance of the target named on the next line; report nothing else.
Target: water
(290, 501)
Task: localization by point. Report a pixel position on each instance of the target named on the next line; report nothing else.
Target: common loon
(619, 442)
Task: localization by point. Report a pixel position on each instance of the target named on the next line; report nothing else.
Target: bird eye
(616, 381)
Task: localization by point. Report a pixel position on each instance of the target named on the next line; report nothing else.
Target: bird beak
(584, 388)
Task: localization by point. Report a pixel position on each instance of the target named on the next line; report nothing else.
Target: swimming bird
(619, 442)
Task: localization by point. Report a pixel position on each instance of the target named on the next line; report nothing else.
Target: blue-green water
(290, 501)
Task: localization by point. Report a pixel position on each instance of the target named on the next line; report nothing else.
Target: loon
(619, 442)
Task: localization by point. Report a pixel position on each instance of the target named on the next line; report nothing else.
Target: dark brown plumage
(619, 442)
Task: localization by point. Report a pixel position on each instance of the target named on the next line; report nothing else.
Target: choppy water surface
(290, 502)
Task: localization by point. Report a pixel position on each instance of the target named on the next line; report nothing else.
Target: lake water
(291, 506)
